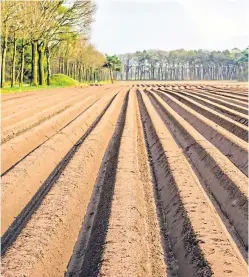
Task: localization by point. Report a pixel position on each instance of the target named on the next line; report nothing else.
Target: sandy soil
(229, 124)
(205, 156)
(133, 179)
(24, 187)
(129, 244)
(229, 144)
(64, 207)
(221, 84)
(33, 136)
(185, 205)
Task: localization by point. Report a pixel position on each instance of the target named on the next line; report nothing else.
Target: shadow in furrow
(233, 204)
(59, 130)
(180, 240)
(229, 126)
(237, 155)
(86, 258)
(22, 219)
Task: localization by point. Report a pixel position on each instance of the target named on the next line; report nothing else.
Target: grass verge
(57, 81)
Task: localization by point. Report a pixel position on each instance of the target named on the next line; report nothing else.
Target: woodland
(185, 65)
(41, 38)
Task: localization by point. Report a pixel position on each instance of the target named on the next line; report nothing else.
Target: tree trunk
(62, 66)
(48, 66)
(13, 69)
(111, 76)
(34, 80)
(83, 73)
(79, 73)
(4, 52)
(67, 68)
(41, 53)
(22, 64)
(127, 74)
(74, 71)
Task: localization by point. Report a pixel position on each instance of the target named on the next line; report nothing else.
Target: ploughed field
(130, 180)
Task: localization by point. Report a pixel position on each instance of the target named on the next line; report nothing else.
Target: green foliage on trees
(244, 57)
(183, 64)
(44, 37)
(114, 64)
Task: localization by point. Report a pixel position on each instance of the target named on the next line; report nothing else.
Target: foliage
(183, 64)
(40, 38)
(244, 57)
(114, 64)
(61, 80)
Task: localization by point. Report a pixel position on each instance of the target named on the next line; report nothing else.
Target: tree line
(39, 38)
(185, 65)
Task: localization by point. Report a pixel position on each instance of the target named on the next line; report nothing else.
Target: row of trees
(39, 38)
(81, 61)
(185, 65)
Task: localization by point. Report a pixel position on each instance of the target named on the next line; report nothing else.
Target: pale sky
(123, 26)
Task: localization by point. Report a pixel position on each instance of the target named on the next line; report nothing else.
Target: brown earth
(131, 179)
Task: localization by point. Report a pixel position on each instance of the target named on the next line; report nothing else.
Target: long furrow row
(20, 183)
(18, 106)
(228, 143)
(228, 91)
(64, 200)
(205, 109)
(147, 180)
(216, 112)
(214, 104)
(24, 113)
(35, 135)
(29, 114)
(228, 95)
(222, 179)
(219, 99)
(196, 233)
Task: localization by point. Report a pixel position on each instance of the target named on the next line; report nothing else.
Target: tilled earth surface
(138, 180)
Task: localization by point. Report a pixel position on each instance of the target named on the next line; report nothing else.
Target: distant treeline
(185, 65)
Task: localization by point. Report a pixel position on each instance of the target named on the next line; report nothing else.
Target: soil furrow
(21, 115)
(222, 99)
(15, 107)
(232, 126)
(23, 96)
(195, 231)
(89, 246)
(147, 179)
(23, 181)
(237, 106)
(234, 92)
(136, 253)
(230, 145)
(21, 220)
(219, 176)
(26, 125)
(45, 245)
(235, 115)
(228, 96)
(19, 147)
(39, 117)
